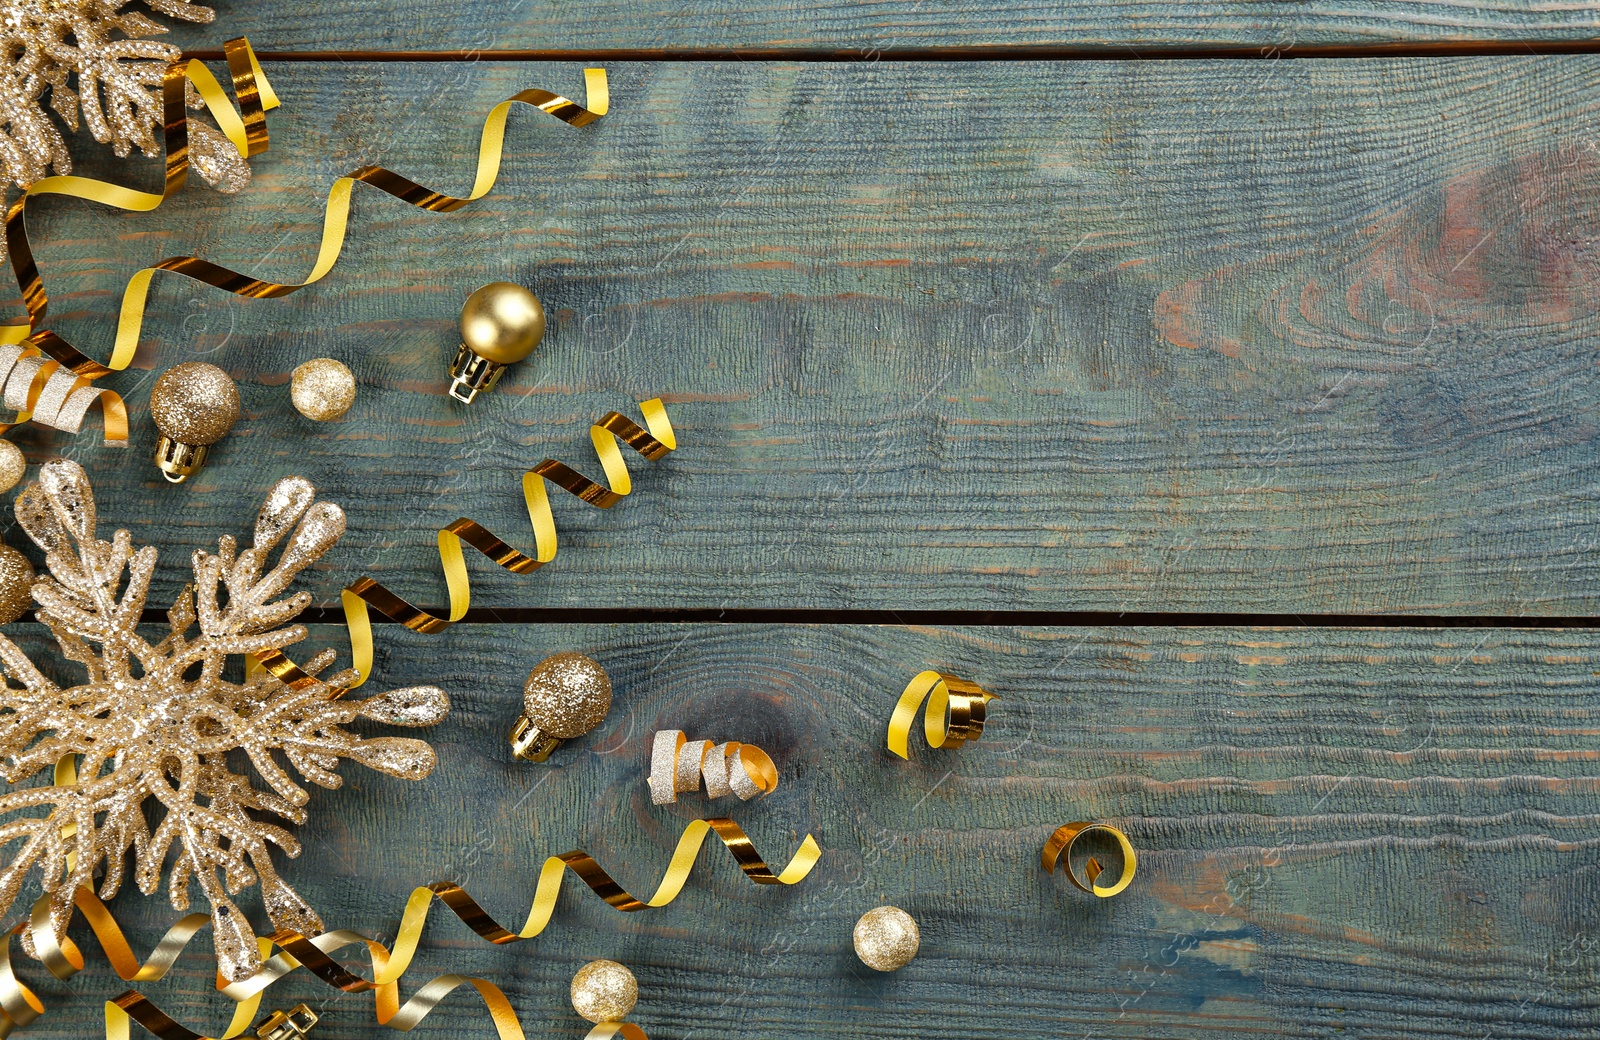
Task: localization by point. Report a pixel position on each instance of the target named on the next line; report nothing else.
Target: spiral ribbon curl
(20, 1006)
(605, 434)
(955, 712)
(678, 765)
(64, 403)
(1058, 849)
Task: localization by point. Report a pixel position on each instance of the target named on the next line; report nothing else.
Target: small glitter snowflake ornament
(155, 723)
(116, 91)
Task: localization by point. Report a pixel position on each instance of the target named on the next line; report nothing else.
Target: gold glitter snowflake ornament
(117, 76)
(155, 723)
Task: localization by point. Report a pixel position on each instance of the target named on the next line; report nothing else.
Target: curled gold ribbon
(248, 132)
(678, 765)
(45, 378)
(20, 1006)
(1059, 849)
(612, 429)
(955, 712)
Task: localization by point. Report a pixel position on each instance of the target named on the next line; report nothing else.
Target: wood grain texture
(1311, 336)
(1341, 833)
(870, 29)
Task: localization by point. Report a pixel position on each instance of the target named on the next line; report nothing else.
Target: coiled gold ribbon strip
(955, 711)
(1059, 849)
(678, 764)
(45, 378)
(248, 132)
(20, 1006)
(605, 434)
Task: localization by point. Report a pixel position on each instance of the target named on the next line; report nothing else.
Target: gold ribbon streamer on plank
(955, 712)
(605, 434)
(248, 132)
(1059, 849)
(45, 378)
(678, 764)
(20, 1006)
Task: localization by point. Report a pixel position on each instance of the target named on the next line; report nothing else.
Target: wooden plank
(870, 30)
(1313, 336)
(1341, 833)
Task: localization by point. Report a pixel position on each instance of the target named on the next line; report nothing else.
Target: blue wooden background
(1280, 337)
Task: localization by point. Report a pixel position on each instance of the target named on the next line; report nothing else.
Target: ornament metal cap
(566, 696)
(294, 1024)
(178, 462)
(529, 742)
(501, 323)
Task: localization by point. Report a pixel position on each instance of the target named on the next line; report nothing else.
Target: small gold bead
(12, 465)
(16, 584)
(887, 938)
(322, 389)
(604, 991)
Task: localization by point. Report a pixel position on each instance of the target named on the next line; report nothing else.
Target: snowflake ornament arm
(118, 95)
(155, 723)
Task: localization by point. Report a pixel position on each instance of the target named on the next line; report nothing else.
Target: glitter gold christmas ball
(16, 581)
(887, 938)
(322, 389)
(567, 695)
(502, 322)
(604, 991)
(12, 465)
(194, 403)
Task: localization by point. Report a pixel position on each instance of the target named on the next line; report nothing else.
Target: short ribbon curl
(1058, 849)
(248, 132)
(677, 765)
(20, 1006)
(605, 435)
(955, 714)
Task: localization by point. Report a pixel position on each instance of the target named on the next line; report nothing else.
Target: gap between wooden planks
(940, 618)
(978, 52)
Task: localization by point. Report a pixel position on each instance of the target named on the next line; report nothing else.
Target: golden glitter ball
(567, 695)
(502, 322)
(194, 403)
(16, 584)
(604, 991)
(322, 389)
(887, 938)
(12, 465)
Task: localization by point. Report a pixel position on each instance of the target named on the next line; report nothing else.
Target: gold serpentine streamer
(605, 435)
(74, 371)
(21, 1006)
(955, 712)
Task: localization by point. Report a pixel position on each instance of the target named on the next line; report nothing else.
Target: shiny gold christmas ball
(194, 403)
(604, 991)
(322, 389)
(502, 322)
(12, 465)
(887, 938)
(567, 695)
(16, 581)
